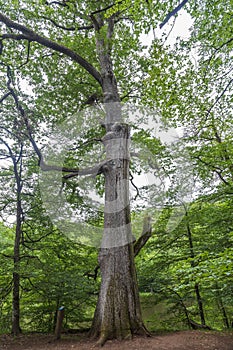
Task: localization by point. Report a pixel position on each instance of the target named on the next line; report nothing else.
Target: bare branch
(57, 3)
(68, 28)
(133, 184)
(30, 35)
(30, 240)
(106, 8)
(172, 27)
(46, 167)
(11, 155)
(95, 170)
(128, 94)
(58, 25)
(94, 274)
(3, 208)
(91, 141)
(173, 13)
(14, 36)
(29, 257)
(28, 54)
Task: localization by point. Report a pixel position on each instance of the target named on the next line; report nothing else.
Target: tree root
(102, 340)
(104, 337)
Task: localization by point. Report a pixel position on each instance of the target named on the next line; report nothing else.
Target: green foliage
(190, 87)
(54, 271)
(176, 271)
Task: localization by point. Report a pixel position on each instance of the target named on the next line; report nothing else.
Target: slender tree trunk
(16, 273)
(196, 287)
(15, 302)
(222, 308)
(182, 304)
(118, 311)
(200, 304)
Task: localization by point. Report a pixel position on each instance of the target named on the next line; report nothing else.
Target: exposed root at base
(101, 341)
(104, 337)
(143, 331)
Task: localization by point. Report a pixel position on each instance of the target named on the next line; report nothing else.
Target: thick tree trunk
(118, 312)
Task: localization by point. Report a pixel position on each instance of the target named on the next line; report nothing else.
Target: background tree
(172, 285)
(44, 41)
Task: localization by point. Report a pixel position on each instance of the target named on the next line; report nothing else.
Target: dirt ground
(185, 340)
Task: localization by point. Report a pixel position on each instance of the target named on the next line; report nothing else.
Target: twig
(56, 3)
(218, 99)
(172, 27)
(106, 8)
(28, 54)
(5, 96)
(67, 28)
(216, 49)
(132, 183)
(173, 13)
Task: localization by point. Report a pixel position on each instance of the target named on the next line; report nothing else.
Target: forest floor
(182, 340)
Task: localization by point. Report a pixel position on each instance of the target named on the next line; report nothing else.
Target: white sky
(181, 29)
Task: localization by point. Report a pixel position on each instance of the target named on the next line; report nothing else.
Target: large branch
(30, 35)
(95, 170)
(146, 234)
(173, 13)
(138, 245)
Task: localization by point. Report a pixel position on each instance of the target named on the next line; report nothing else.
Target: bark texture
(118, 312)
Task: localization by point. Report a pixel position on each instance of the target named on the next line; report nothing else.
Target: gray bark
(118, 311)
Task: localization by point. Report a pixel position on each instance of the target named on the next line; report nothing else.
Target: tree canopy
(92, 110)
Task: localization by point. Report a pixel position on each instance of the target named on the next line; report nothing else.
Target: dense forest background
(185, 267)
